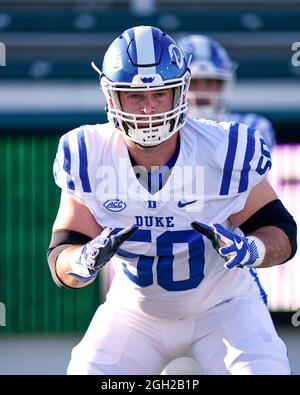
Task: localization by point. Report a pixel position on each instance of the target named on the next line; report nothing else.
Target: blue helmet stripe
(157, 46)
(129, 36)
(230, 156)
(83, 163)
(67, 162)
(214, 55)
(217, 57)
(244, 180)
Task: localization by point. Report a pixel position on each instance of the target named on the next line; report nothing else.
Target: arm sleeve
(72, 164)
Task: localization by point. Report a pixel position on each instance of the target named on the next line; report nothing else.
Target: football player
(213, 80)
(182, 209)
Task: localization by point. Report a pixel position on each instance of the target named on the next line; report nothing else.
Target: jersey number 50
(194, 257)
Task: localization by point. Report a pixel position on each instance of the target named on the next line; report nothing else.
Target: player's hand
(236, 250)
(96, 253)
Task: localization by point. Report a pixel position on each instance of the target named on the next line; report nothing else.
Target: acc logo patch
(115, 205)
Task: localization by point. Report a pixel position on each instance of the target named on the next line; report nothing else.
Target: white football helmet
(209, 62)
(146, 59)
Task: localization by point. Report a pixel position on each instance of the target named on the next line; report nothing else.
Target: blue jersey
(166, 269)
(257, 122)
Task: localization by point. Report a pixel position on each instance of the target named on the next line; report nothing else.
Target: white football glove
(237, 250)
(96, 253)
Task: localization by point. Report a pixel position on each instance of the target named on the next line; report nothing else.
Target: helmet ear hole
(146, 59)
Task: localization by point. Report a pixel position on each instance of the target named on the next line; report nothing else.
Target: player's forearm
(64, 265)
(278, 247)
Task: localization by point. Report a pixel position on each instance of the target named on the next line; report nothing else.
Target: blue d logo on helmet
(176, 56)
(144, 58)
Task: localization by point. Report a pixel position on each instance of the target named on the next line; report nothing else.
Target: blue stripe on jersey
(229, 161)
(83, 163)
(150, 180)
(244, 180)
(67, 162)
(263, 294)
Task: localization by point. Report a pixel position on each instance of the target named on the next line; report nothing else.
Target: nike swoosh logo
(239, 245)
(183, 203)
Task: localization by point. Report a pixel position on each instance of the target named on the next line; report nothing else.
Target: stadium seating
(58, 44)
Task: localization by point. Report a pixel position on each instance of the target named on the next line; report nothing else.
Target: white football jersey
(167, 269)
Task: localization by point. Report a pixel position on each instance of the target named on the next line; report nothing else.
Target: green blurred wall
(29, 200)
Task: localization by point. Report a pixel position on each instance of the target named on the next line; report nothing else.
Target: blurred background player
(213, 79)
